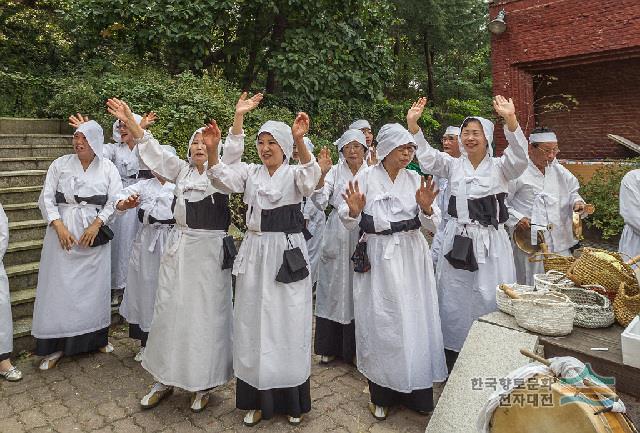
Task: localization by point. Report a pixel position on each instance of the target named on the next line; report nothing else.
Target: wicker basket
(599, 289)
(504, 301)
(552, 280)
(627, 304)
(554, 262)
(593, 310)
(550, 313)
(591, 269)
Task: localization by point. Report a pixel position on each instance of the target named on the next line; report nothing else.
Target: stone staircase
(27, 147)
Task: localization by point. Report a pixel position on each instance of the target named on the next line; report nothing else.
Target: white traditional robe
(334, 291)
(272, 320)
(73, 296)
(547, 200)
(630, 211)
(443, 202)
(190, 338)
(316, 221)
(398, 335)
(465, 296)
(147, 250)
(6, 324)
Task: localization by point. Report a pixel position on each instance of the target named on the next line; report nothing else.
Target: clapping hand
(414, 113)
(300, 126)
(426, 194)
(244, 104)
(372, 159)
(77, 120)
(129, 203)
(212, 136)
(324, 160)
(354, 199)
(119, 109)
(148, 119)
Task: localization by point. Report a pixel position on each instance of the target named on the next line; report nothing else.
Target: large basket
(504, 302)
(550, 313)
(627, 304)
(552, 280)
(599, 289)
(554, 262)
(591, 268)
(593, 310)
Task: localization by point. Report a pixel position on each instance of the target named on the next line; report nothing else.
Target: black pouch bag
(105, 234)
(230, 252)
(360, 258)
(307, 234)
(294, 266)
(461, 255)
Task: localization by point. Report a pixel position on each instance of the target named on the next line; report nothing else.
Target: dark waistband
(210, 213)
(367, 225)
(142, 174)
(285, 219)
(152, 220)
(98, 200)
(489, 210)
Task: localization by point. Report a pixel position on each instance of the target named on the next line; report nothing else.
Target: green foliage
(603, 191)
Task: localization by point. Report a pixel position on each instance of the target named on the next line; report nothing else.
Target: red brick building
(588, 50)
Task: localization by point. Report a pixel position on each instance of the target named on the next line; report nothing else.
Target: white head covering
(452, 130)
(282, 133)
(543, 137)
(94, 135)
(390, 136)
(360, 124)
(308, 143)
(351, 135)
(487, 128)
(116, 132)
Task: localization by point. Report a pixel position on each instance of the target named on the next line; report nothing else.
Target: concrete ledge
(17, 125)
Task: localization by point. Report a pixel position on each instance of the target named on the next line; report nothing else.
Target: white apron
(316, 226)
(6, 324)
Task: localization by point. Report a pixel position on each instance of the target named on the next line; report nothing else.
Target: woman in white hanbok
(72, 310)
(190, 339)
(398, 336)
(273, 301)
(629, 244)
(335, 327)
(476, 253)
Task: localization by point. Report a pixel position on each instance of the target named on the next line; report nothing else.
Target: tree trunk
(428, 59)
(277, 36)
(249, 73)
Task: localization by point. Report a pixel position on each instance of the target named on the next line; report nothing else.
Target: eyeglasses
(550, 151)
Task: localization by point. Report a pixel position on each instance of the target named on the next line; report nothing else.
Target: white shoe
(50, 361)
(199, 401)
(252, 418)
(158, 392)
(12, 374)
(378, 412)
(326, 359)
(294, 420)
(138, 357)
(106, 349)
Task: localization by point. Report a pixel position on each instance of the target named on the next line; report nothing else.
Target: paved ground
(101, 393)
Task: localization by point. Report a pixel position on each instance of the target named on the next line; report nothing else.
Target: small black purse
(360, 258)
(462, 255)
(230, 252)
(294, 266)
(105, 234)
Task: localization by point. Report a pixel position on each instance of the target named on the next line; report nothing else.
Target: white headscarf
(309, 144)
(351, 135)
(543, 137)
(116, 132)
(94, 135)
(360, 124)
(452, 130)
(390, 136)
(282, 134)
(487, 128)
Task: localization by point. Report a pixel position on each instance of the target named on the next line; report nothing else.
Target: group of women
(376, 300)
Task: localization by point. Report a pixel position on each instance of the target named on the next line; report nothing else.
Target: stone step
(12, 150)
(22, 178)
(19, 253)
(35, 140)
(17, 125)
(23, 276)
(22, 303)
(20, 194)
(26, 163)
(26, 230)
(22, 211)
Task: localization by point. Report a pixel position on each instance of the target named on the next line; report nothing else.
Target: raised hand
(414, 113)
(148, 120)
(119, 109)
(67, 241)
(426, 194)
(211, 136)
(354, 199)
(372, 159)
(244, 104)
(129, 203)
(504, 107)
(77, 120)
(324, 160)
(300, 126)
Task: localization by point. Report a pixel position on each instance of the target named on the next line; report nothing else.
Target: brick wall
(549, 35)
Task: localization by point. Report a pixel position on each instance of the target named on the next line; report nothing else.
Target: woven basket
(599, 289)
(552, 280)
(504, 301)
(591, 269)
(593, 310)
(550, 313)
(627, 304)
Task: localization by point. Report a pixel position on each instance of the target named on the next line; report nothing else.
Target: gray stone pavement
(101, 393)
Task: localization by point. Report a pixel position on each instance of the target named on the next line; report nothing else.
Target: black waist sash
(490, 210)
(283, 219)
(367, 226)
(153, 220)
(210, 213)
(98, 200)
(142, 174)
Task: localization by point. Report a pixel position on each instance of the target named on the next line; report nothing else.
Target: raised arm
(323, 194)
(515, 157)
(234, 143)
(431, 160)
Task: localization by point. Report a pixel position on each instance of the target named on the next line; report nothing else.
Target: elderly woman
(476, 253)
(154, 199)
(190, 338)
(72, 310)
(7, 371)
(399, 341)
(272, 316)
(335, 329)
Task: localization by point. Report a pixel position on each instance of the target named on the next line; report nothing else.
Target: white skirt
(316, 227)
(190, 339)
(6, 324)
(398, 336)
(629, 245)
(272, 320)
(124, 228)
